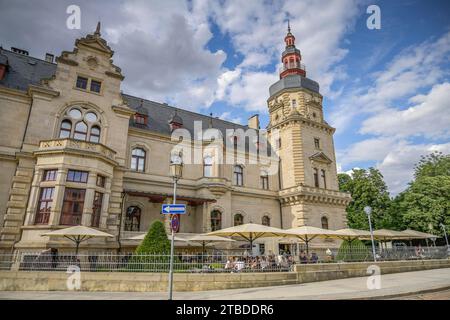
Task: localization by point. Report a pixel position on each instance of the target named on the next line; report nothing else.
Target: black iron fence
(208, 263)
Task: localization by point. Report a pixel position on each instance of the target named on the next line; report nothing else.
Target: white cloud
(413, 69)
(250, 90)
(430, 118)
(397, 166)
(392, 149)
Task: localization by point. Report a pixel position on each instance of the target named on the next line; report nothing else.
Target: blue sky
(386, 91)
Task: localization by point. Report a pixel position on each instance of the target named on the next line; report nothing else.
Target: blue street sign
(173, 209)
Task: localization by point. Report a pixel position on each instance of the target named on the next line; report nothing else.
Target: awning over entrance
(159, 197)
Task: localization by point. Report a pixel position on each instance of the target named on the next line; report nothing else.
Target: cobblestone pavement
(405, 284)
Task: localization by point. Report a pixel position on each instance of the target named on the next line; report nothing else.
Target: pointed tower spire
(291, 57)
(97, 30)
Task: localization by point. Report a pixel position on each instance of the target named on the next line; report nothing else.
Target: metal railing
(208, 263)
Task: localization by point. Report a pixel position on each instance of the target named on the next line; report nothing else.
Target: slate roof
(25, 70)
(159, 115)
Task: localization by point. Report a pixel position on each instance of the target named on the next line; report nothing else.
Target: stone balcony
(76, 147)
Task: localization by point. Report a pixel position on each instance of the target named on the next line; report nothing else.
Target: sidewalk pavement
(392, 285)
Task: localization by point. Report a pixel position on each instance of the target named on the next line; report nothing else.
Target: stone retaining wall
(126, 281)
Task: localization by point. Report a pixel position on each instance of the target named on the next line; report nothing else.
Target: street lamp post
(446, 239)
(368, 211)
(176, 171)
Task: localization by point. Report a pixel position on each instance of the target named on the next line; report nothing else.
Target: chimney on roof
(19, 51)
(253, 122)
(49, 57)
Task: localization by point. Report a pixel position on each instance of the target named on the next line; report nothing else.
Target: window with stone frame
(138, 156)
(238, 219)
(44, 206)
(266, 221)
(77, 176)
(72, 210)
(216, 220)
(238, 175)
(80, 122)
(324, 178)
(316, 177)
(133, 219)
(97, 209)
(264, 180)
(49, 175)
(324, 222)
(208, 167)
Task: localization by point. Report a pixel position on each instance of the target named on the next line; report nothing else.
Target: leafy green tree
(433, 165)
(354, 250)
(426, 202)
(155, 241)
(367, 188)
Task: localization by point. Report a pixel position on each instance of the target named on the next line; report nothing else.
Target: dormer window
(141, 119)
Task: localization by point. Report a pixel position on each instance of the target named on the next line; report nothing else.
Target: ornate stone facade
(75, 150)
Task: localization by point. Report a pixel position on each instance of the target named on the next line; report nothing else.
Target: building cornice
(306, 194)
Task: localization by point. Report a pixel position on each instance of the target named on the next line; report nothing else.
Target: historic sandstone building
(75, 150)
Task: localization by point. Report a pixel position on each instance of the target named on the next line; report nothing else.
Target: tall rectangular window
(44, 206)
(97, 209)
(317, 143)
(238, 175)
(101, 181)
(82, 82)
(77, 176)
(96, 86)
(73, 205)
(265, 182)
(316, 178)
(49, 175)
(324, 179)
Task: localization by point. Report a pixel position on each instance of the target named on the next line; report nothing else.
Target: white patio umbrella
(351, 235)
(180, 239)
(78, 234)
(308, 233)
(205, 239)
(413, 234)
(250, 232)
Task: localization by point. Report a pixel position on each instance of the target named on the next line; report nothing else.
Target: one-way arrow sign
(173, 209)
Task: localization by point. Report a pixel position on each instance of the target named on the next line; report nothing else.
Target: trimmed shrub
(354, 250)
(153, 254)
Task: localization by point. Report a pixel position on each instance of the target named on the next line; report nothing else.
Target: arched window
(207, 166)
(80, 132)
(238, 175)
(238, 219)
(87, 124)
(95, 134)
(138, 159)
(133, 219)
(264, 179)
(266, 221)
(216, 220)
(324, 221)
(66, 129)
